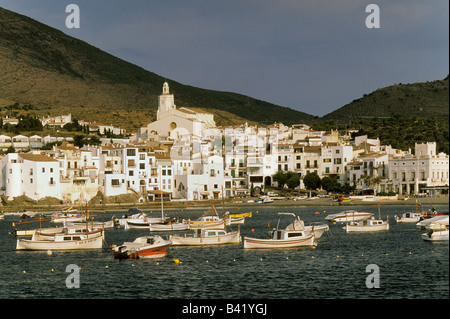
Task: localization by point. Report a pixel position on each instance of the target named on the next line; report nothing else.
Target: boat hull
(348, 217)
(366, 228)
(142, 249)
(231, 238)
(95, 242)
(257, 243)
(171, 227)
(437, 235)
(207, 225)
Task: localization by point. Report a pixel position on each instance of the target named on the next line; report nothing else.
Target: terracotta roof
(37, 157)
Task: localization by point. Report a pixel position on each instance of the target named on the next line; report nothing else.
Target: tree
(331, 184)
(281, 178)
(311, 181)
(293, 180)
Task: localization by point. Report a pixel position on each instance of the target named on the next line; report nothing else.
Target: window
(142, 166)
(212, 173)
(31, 181)
(131, 152)
(51, 169)
(130, 173)
(115, 182)
(130, 163)
(142, 157)
(31, 172)
(43, 169)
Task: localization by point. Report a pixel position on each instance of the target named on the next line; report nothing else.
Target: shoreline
(191, 205)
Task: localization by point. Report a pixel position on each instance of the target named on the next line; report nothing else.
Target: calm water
(336, 268)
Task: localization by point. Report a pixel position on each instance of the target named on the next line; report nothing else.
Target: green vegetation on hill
(420, 100)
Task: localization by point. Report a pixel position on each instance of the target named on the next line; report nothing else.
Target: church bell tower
(166, 103)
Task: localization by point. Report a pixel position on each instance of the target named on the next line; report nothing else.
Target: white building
(174, 122)
(33, 175)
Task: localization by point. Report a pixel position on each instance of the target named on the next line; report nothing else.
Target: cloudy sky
(311, 55)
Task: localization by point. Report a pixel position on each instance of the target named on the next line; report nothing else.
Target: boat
(281, 238)
(409, 217)
(208, 221)
(170, 225)
(142, 247)
(139, 219)
(317, 228)
(203, 237)
(348, 216)
(62, 217)
(97, 225)
(436, 235)
(62, 241)
(369, 225)
(437, 222)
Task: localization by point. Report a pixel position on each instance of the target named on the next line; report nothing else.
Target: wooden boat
(409, 217)
(170, 226)
(142, 247)
(369, 225)
(348, 216)
(281, 238)
(62, 241)
(207, 222)
(202, 237)
(436, 235)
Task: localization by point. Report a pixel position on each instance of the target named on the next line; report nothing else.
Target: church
(173, 122)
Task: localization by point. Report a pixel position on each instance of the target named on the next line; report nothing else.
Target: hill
(56, 74)
(421, 100)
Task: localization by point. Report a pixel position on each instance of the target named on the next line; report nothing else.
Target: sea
(393, 264)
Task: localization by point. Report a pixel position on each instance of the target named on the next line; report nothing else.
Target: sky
(310, 55)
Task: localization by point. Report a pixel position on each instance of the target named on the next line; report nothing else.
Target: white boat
(281, 238)
(437, 222)
(202, 237)
(436, 235)
(63, 241)
(369, 225)
(409, 217)
(139, 219)
(348, 216)
(142, 247)
(96, 225)
(317, 229)
(207, 222)
(64, 217)
(170, 226)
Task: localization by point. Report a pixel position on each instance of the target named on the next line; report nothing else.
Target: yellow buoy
(176, 261)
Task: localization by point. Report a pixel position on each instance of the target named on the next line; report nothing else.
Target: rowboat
(62, 241)
(142, 247)
(348, 216)
(202, 237)
(282, 238)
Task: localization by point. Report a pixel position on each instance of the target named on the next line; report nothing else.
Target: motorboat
(437, 222)
(436, 235)
(142, 247)
(317, 228)
(170, 225)
(202, 237)
(282, 238)
(409, 217)
(62, 241)
(207, 222)
(348, 216)
(139, 219)
(369, 225)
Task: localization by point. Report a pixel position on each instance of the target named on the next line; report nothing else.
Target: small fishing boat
(142, 247)
(410, 217)
(282, 238)
(170, 225)
(369, 225)
(202, 237)
(140, 220)
(63, 217)
(436, 235)
(348, 216)
(317, 228)
(207, 222)
(63, 241)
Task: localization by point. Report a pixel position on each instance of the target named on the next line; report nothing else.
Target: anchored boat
(142, 247)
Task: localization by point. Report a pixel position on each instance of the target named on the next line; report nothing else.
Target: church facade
(175, 122)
